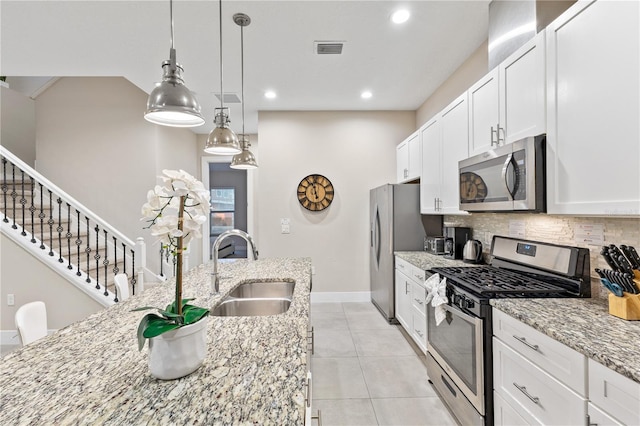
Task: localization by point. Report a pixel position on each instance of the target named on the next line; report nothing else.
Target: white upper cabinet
(593, 110)
(508, 104)
(409, 158)
(430, 179)
(444, 142)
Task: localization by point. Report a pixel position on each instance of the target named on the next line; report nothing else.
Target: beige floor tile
(383, 342)
(326, 307)
(367, 320)
(333, 343)
(329, 321)
(347, 412)
(412, 411)
(338, 378)
(397, 377)
(359, 307)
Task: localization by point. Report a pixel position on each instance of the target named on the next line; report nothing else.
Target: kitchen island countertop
(584, 325)
(91, 372)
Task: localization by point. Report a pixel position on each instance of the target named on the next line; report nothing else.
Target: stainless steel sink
(251, 307)
(264, 289)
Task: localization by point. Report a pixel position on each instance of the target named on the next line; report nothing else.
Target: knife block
(626, 307)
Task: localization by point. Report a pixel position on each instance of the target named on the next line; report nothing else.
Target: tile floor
(366, 373)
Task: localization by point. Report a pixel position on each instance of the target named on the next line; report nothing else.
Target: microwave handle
(510, 176)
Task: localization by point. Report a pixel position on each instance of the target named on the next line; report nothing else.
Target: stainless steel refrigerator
(395, 225)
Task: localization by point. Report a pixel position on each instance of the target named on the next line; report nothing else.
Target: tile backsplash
(564, 230)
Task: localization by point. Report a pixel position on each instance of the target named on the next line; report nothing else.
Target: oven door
(457, 345)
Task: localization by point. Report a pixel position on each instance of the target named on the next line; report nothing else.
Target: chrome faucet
(215, 279)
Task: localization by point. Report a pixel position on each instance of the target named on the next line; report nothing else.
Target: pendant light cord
(171, 18)
(221, 90)
(242, 77)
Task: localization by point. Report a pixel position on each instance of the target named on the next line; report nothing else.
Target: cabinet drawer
(615, 394)
(560, 361)
(418, 295)
(504, 414)
(403, 266)
(597, 417)
(416, 274)
(419, 331)
(526, 387)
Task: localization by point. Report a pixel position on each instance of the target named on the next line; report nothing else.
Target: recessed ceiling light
(400, 16)
(270, 94)
(366, 94)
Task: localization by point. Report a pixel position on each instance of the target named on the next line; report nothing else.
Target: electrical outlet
(285, 229)
(313, 270)
(11, 300)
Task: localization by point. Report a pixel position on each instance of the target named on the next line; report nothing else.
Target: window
(223, 206)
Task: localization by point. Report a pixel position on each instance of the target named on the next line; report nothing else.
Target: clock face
(315, 193)
(472, 188)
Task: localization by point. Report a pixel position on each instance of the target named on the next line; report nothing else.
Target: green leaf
(172, 316)
(158, 326)
(144, 322)
(194, 314)
(144, 308)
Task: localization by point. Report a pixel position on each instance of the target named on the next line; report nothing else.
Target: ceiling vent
(328, 47)
(229, 98)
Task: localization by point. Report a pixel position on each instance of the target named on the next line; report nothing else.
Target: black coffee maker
(455, 238)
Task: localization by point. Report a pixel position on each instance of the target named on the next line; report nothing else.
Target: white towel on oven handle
(437, 295)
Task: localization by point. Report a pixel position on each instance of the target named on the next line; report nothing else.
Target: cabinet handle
(494, 132)
(309, 393)
(435, 204)
(318, 418)
(523, 389)
(418, 277)
(406, 287)
(420, 302)
(419, 333)
(523, 340)
(310, 338)
(498, 134)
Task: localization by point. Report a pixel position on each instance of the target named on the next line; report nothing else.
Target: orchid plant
(175, 212)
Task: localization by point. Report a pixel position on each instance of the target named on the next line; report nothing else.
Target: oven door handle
(466, 317)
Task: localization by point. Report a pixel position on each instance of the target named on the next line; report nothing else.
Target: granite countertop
(424, 260)
(91, 372)
(584, 325)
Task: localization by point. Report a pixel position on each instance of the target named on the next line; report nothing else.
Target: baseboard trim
(340, 296)
(10, 337)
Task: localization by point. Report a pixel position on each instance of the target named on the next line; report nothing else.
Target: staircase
(67, 236)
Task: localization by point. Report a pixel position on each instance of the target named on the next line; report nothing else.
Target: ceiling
(400, 64)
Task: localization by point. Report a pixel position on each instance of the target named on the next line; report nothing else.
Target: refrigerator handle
(377, 237)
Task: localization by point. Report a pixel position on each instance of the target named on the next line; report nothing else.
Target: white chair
(31, 322)
(122, 284)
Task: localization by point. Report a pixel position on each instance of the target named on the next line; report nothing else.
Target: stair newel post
(23, 201)
(69, 235)
(41, 216)
(32, 209)
(5, 188)
(78, 242)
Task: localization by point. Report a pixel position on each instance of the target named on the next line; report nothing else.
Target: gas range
(460, 348)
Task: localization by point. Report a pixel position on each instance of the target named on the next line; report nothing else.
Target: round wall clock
(472, 188)
(315, 193)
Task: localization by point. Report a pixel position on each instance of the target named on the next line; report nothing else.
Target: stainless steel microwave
(507, 178)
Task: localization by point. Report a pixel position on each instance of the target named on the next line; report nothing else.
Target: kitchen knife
(612, 287)
(635, 255)
(607, 257)
(614, 278)
(615, 253)
(631, 284)
(622, 278)
(630, 257)
(624, 264)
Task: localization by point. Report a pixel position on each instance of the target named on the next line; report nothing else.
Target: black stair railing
(33, 203)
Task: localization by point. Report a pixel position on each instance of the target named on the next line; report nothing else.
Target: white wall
(30, 280)
(356, 151)
(18, 124)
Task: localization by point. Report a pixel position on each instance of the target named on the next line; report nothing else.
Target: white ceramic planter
(179, 352)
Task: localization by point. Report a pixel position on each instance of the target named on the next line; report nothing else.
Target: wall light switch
(11, 300)
(285, 229)
(284, 221)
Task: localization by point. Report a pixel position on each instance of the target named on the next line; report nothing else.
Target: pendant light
(222, 140)
(170, 103)
(245, 159)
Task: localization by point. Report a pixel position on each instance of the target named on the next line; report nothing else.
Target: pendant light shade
(245, 159)
(222, 140)
(171, 103)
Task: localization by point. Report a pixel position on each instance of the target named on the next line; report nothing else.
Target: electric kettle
(472, 252)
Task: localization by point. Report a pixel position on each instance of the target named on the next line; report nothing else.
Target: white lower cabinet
(504, 414)
(410, 301)
(535, 395)
(597, 417)
(618, 397)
